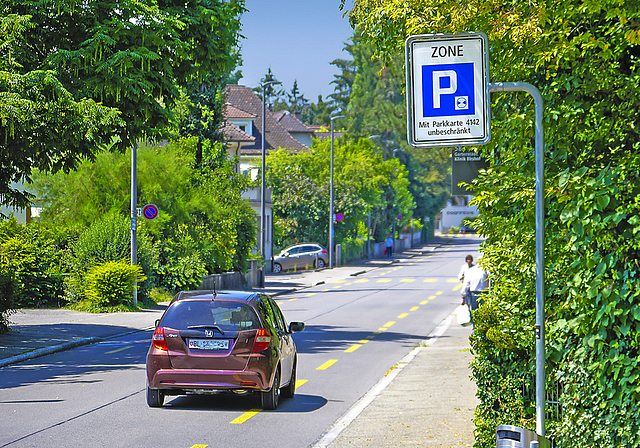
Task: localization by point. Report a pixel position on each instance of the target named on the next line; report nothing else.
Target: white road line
(381, 385)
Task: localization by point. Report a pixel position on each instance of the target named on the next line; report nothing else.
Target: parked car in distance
(301, 256)
(234, 341)
(467, 228)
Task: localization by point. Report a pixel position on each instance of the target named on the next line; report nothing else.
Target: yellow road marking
(327, 364)
(364, 341)
(347, 284)
(325, 290)
(407, 280)
(452, 280)
(244, 417)
(431, 297)
(300, 383)
(199, 446)
(388, 324)
(458, 287)
(381, 329)
(403, 315)
(353, 348)
(438, 293)
(117, 350)
(424, 302)
(338, 281)
(339, 286)
(384, 280)
(311, 294)
(362, 280)
(415, 308)
(430, 280)
(291, 300)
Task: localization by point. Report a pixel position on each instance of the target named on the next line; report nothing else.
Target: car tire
(320, 264)
(289, 390)
(277, 268)
(269, 398)
(155, 397)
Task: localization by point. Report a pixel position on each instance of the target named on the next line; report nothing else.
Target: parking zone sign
(447, 78)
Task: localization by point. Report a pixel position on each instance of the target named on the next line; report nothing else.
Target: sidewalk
(426, 400)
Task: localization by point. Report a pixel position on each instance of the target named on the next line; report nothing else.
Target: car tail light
(263, 339)
(158, 339)
(324, 252)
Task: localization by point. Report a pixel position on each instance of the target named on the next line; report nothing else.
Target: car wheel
(270, 397)
(290, 389)
(277, 268)
(320, 263)
(155, 397)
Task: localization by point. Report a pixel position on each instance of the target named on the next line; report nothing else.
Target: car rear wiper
(205, 327)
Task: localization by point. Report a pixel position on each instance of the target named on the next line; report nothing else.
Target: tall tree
(377, 107)
(343, 82)
(131, 57)
(297, 101)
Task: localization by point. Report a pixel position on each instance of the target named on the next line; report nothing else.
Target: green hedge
(112, 283)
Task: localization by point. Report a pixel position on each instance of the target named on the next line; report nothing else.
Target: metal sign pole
(539, 142)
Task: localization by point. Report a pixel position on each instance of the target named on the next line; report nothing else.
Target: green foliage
(42, 125)
(111, 283)
(75, 79)
(584, 58)
(31, 257)
(362, 182)
(201, 210)
(107, 240)
(183, 273)
(377, 107)
(352, 249)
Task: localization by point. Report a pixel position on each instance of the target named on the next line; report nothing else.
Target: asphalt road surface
(356, 330)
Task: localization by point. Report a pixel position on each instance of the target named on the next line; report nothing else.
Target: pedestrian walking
(468, 264)
(475, 284)
(388, 244)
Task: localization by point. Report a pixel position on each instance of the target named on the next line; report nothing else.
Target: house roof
(277, 136)
(233, 133)
(291, 122)
(233, 112)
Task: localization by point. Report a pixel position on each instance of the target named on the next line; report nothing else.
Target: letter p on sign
(438, 89)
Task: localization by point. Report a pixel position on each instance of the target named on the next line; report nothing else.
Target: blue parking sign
(448, 90)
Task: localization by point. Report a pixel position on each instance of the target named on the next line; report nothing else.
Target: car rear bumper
(207, 380)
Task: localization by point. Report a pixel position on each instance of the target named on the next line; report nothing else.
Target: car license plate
(209, 344)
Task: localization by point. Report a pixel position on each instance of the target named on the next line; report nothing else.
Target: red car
(208, 341)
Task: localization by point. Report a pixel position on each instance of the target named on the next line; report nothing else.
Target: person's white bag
(463, 315)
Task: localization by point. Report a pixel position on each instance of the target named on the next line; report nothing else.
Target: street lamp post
(331, 198)
(263, 190)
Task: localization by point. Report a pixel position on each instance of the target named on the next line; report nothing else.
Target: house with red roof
(243, 132)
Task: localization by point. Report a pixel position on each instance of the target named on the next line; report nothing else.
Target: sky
(296, 38)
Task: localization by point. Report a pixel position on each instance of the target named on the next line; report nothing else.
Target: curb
(62, 347)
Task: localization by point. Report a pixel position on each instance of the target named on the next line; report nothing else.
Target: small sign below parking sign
(447, 78)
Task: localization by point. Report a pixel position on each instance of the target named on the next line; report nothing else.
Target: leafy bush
(112, 283)
(7, 301)
(352, 249)
(31, 255)
(108, 239)
(183, 273)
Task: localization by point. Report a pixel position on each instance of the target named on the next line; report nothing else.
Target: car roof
(238, 296)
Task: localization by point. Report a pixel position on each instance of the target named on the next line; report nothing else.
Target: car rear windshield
(225, 315)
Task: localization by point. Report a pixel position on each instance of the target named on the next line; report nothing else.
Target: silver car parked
(301, 256)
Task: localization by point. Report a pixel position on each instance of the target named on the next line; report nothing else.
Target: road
(357, 329)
